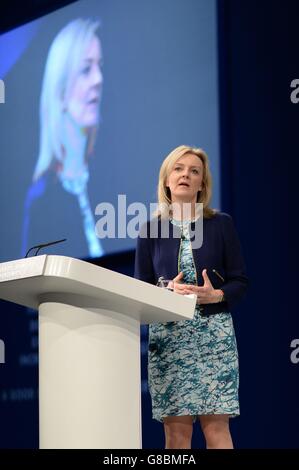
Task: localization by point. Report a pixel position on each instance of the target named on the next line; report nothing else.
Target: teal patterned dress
(193, 364)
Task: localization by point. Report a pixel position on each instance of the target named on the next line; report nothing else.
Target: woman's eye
(195, 171)
(177, 168)
(85, 70)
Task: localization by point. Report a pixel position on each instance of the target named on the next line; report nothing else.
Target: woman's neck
(183, 210)
(74, 145)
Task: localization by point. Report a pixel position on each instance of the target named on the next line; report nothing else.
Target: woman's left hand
(206, 294)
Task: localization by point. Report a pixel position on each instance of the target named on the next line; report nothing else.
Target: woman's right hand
(178, 286)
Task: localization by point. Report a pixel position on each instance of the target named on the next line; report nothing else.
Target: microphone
(43, 245)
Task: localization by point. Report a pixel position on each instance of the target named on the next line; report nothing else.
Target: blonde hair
(62, 65)
(204, 196)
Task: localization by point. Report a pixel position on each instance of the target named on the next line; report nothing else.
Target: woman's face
(85, 95)
(185, 178)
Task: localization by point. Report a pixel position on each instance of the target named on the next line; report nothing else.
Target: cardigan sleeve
(144, 270)
(236, 280)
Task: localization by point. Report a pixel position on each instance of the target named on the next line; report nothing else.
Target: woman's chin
(184, 195)
(90, 119)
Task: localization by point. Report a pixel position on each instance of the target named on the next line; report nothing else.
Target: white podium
(89, 346)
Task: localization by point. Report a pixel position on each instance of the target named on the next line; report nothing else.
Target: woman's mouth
(94, 100)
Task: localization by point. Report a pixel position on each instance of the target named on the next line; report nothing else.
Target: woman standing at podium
(193, 364)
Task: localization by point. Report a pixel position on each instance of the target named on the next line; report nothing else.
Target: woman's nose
(97, 76)
(186, 173)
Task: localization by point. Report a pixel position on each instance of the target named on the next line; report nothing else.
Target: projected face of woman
(85, 95)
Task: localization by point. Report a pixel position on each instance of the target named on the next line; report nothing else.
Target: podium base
(89, 378)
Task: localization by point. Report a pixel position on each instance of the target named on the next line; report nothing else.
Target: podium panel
(89, 375)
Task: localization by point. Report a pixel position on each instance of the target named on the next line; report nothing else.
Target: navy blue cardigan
(220, 251)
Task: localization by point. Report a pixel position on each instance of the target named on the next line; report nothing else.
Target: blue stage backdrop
(146, 83)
